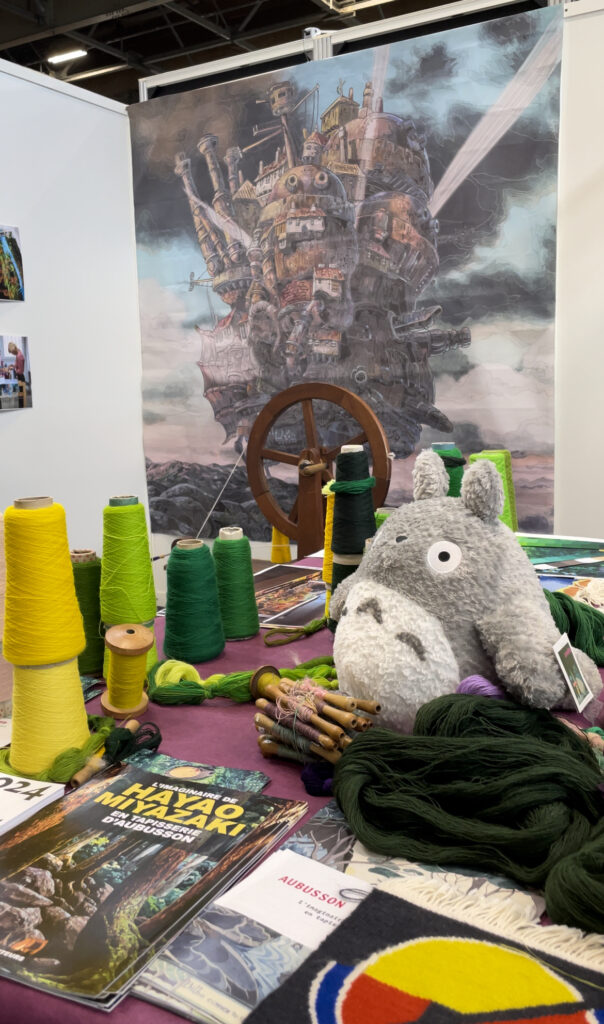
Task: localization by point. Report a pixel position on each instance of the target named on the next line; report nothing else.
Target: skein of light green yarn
(127, 591)
(235, 577)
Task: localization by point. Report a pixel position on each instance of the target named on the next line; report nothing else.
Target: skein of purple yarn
(478, 686)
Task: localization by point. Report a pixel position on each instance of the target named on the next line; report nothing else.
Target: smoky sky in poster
(311, 241)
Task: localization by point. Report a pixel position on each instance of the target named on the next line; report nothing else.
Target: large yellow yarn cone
(43, 634)
(280, 549)
(49, 716)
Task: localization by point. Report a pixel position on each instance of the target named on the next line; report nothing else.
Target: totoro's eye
(443, 556)
(401, 537)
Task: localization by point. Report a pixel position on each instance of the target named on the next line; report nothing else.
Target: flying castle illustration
(322, 258)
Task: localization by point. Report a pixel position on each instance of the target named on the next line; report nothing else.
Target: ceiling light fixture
(60, 58)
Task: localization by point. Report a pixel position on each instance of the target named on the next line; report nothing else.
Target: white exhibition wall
(65, 182)
(579, 421)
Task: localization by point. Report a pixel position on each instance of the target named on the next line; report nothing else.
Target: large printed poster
(384, 221)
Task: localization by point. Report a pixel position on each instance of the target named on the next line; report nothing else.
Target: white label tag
(573, 675)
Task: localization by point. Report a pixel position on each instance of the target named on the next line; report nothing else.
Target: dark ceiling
(142, 38)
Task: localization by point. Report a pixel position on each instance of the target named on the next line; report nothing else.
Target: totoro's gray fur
(454, 561)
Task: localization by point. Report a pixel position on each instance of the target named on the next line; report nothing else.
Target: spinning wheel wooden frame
(305, 524)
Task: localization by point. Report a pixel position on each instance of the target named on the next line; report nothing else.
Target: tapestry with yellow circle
(393, 961)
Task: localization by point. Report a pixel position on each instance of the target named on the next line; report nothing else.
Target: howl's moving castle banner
(384, 221)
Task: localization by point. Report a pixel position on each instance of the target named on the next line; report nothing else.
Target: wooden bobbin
(230, 533)
(97, 763)
(119, 500)
(266, 683)
(128, 641)
(189, 544)
(42, 501)
(80, 556)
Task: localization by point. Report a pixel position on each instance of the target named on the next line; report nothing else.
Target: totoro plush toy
(445, 591)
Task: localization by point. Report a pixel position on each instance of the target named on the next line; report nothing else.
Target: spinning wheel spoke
(304, 524)
(277, 456)
(329, 454)
(310, 426)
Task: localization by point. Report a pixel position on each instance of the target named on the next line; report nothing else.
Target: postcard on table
(573, 675)
(289, 595)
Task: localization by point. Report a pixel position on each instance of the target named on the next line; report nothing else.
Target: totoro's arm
(342, 591)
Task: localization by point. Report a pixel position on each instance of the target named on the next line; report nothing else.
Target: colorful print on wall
(15, 373)
(12, 287)
(384, 221)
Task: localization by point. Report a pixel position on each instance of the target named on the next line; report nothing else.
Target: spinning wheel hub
(305, 522)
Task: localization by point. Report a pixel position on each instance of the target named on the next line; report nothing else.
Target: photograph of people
(15, 373)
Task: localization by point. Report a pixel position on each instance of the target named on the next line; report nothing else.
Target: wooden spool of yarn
(128, 646)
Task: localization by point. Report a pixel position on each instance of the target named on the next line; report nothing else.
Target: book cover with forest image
(93, 886)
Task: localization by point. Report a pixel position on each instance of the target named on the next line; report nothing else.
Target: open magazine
(289, 595)
(103, 879)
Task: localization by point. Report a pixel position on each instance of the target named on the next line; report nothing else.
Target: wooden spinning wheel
(305, 523)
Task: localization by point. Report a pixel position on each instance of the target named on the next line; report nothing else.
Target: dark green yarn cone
(235, 578)
(194, 630)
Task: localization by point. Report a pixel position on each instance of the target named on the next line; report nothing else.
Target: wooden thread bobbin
(230, 533)
(41, 501)
(266, 683)
(127, 641)
(189, 543)
(119, 500)
(80, 556)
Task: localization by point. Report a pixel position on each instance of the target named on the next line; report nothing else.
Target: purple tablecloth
(217, 732)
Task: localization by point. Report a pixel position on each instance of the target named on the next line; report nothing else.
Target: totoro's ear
(430, 479)
(482, 490)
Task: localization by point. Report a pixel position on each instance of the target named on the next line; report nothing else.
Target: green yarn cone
(235, 577)
(454, 463)
(502, 460)
(194, 630)
(87, 578)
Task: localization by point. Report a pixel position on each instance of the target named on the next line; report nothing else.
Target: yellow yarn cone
(2, 578)
(280, 549)
(49, 716)
(327, 552)
(43, 634)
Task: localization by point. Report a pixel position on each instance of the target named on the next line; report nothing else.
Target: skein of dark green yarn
(194, 630)
(235, 578)
(465, 715)
(574, 890)
(583, 624)
(510, 804)
(87, 577)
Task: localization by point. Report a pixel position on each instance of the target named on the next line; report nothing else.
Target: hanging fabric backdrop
(384, 221)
